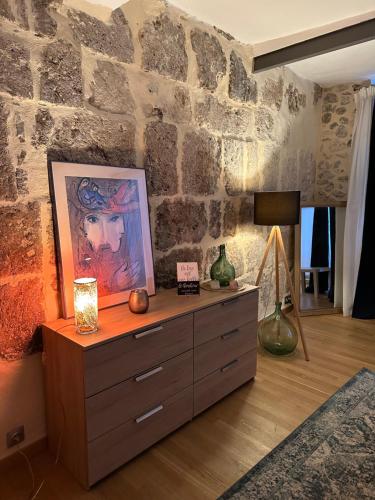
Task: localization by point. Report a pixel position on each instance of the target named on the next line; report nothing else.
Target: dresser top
(118, 320)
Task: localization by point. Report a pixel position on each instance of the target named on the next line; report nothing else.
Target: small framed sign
(187, 278)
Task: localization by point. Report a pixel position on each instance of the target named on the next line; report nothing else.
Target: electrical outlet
(15, 436)
(287, 299)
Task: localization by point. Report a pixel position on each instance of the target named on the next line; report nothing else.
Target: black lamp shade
(277, 208)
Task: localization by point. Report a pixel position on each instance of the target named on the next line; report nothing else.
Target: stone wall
(335, 155)
(144, 86)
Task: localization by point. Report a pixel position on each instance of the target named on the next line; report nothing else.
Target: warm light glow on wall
(86, 305)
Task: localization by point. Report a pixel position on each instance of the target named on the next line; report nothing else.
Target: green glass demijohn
(277, 333)
(222, 270)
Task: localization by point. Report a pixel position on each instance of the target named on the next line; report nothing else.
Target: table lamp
(272, 208)
(86, 305)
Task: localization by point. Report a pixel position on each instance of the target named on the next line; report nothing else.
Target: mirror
(319, 259)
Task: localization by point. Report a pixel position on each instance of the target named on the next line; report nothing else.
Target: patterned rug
(330, 456)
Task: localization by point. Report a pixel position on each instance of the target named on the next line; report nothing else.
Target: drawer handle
(149, 414)
(230, 334)
(147, 332)
(231, 301)
(229, 365)
(148, 374)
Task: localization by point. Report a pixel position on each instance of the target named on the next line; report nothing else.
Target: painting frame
(95, 191)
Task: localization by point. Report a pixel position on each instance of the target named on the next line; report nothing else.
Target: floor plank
(207, 455)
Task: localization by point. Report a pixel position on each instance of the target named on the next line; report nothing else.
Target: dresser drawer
(125, 442)
(218, 352)
(114, 406)
(111, 363)
(223, 381)
(215, 320)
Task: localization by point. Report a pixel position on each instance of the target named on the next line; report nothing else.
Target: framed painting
(103, 230)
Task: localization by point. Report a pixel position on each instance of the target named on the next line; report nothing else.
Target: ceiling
(271, 24)
(352, 64)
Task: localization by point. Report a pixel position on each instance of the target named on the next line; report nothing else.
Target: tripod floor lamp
(277, 334)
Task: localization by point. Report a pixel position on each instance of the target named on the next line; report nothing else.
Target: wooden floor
(207, 455)
(308, 302)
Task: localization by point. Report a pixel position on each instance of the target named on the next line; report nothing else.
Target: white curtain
(339, 251)
(355, 210)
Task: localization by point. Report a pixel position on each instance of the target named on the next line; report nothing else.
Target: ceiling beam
(335, 40)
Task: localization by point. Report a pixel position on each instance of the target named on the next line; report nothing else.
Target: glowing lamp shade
(86, 305)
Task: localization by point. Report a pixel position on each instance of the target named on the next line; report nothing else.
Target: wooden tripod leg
(277, 271)
(290, 284)
(266, 252)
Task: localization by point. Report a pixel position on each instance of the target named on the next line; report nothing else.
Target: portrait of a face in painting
(108, 226)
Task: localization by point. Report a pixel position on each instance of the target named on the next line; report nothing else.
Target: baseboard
(30, 450)
(321, 312)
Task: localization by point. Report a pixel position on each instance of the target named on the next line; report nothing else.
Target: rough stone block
(235, 257)
(161, 98)
(15, 72)
(160, 158)
(234, 160)
(200, 163)
(253, 246)
(223, 118)
(341, 110)
(8, 189)
(318, 92)
(342, 131)
(180, 221)
(60, 74)
(163, 44)
(214, 227)
(113, 39)
(241, 172)
(211, 60)
(307, 175)
(43, 127)
(21, 312)
(302, 100)
(109, 90)
(272, 94)
(246, 213)
(230, 218)
(211, 255)
(21, 247)
(5, 10)
(330, 97)
(17, 13)
(295, 99)
(346, 99)
(166, 269)
(270, 168)
(226, 35)
(44, 23)
(264, 124)
(289, 178)
(326, 117)
(241, 87)
(252, 172)
(87, 138)
(21, 181)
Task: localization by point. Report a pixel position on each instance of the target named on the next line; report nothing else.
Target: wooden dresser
(112, 394)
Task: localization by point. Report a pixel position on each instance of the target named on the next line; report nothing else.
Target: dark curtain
(332, 237)
(364, 301)
(320, 248)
